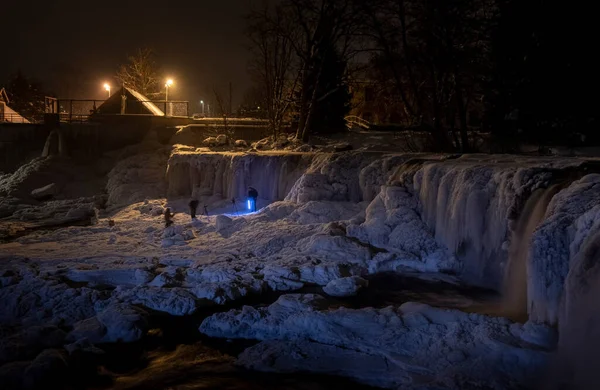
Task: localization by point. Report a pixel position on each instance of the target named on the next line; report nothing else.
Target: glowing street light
(202, 102)
(107, 88)
(167, 85)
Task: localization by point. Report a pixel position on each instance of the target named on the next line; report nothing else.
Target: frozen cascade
(558, 241)
(515, 278)
(227, 176)
(471, 207)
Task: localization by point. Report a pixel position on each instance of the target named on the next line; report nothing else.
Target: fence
(12, 118)
(79, 110)
(169, 108)
(73, 110)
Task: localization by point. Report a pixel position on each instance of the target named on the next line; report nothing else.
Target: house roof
(7, 114)
(146, 102)
(113, 104)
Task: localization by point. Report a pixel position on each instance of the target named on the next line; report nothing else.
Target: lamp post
(167, 85)
(202, 102)
(107, 88)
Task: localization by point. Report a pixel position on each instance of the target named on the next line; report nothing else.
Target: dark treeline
(522, 70)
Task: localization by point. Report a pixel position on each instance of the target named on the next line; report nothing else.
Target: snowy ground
(329, 222)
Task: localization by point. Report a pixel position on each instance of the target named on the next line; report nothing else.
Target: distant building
(7, 114)
(128, 101)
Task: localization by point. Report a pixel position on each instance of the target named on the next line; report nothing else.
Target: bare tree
(296, 44)
(324, 26)
(141, 73)
(272, 65)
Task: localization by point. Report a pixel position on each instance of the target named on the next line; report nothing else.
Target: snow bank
(138, 177)
(407, 346)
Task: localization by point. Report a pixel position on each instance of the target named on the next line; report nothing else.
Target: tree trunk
(462, 115)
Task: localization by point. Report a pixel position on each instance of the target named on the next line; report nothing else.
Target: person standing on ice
(168, 217)
(193, 207)
(252, 196)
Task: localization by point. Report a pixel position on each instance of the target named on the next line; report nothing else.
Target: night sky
(74, 46)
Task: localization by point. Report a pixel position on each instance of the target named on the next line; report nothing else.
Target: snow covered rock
(222, 223)
(83, 345)
(281, 142)
(176, 235)
(46, 370)
(45, 192)
(303, 148)
(35, 301)
(210, 141)
(30, 341)
(117, 322)
(263, 323)
(175, 301)
(241, 143)
(342, 147)
(123, 323)
(448, 348)
(11, 375)
(281, 278)
(323, 212)
(393, 223)
(345, 287)
(262, 144)
(162, 280)
(221, 139)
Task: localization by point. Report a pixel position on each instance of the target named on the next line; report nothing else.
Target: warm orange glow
(106, 86)
(169, 82)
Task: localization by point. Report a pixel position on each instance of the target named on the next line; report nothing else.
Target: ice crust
(327, 220)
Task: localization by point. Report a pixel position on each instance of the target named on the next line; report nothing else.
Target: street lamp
(202, 102)
(167, 85)
(107, 88)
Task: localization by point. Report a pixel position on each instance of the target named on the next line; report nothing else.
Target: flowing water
(515, 283)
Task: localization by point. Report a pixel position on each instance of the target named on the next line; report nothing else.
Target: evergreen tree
(332, 102)
(26, 96)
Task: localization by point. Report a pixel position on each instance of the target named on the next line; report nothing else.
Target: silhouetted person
(252, 196)
(168, 217)
(193, 207)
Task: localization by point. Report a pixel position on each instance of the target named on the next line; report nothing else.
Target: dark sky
(74, 46)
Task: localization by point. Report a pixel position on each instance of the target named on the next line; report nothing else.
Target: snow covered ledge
(405, 347)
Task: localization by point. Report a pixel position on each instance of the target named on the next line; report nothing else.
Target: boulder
(45, 192)
(345, 287)
(46, 371)
(210, 141)
(221, 139)
(223, 222)
(342, 147)
(241, 143)
(303, 148)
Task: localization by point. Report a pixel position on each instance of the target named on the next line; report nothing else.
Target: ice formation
(327, 221)
(411, 346)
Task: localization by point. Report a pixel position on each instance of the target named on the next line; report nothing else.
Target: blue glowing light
(249, 204)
